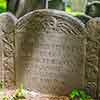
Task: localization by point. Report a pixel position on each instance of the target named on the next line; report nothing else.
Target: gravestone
(83, 18)
(92, 9)
(7, 27)
(26, 6)
(92, 68)
(12, 5)
(49, 52)
(1, 51)
(56, 4)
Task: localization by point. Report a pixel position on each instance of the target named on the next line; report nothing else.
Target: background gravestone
(56, 4)
(12, 5)
(21, 7)
(83, 18)
(92, 9)
(25, 6)
(92, 69)
(7, 27)
(1, 51)
(49, 54)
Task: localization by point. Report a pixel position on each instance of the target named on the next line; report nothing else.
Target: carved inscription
(49, 53)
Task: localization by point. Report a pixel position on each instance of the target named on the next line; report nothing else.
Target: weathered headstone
(92, 69)
(1, 51)
(12, 5)
(49, 54)
(56, 4)
(7, 27)
(21, 7)
(83, 18)
(26, 6)
(92, 9)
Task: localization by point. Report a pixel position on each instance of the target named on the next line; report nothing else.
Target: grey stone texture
(92, 67)
(26, 6)
(83, 18)
(7, 28)
(49, 52)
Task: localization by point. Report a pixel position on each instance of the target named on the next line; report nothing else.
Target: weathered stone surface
(7, 26)
(1, 51)
(92, 69)
(92, 9)
(49, 54)
(26, 6)
(83, 18)
(21, 7)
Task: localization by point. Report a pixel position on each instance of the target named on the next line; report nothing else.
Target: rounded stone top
(49, 52)
(7, 22)
(9, 15)
(74, 22)
(93, 28)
